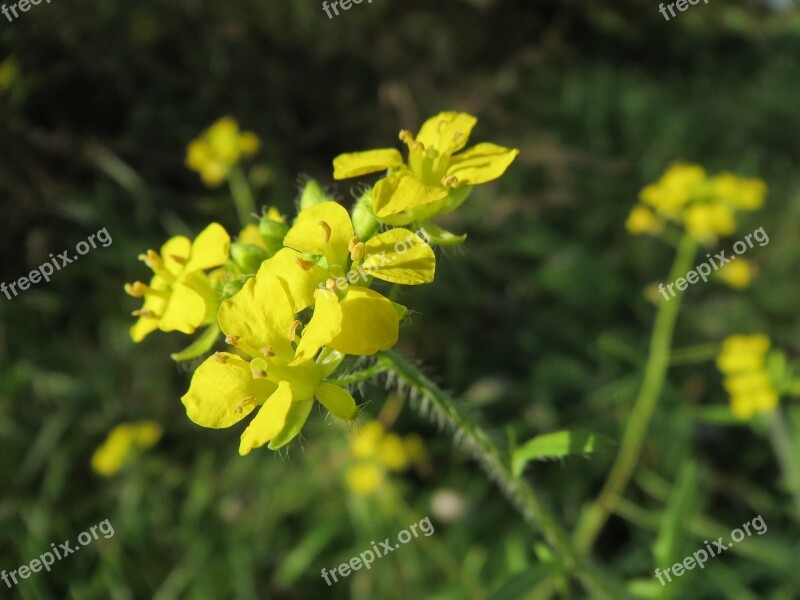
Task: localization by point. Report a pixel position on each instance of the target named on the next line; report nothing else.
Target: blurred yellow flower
(737, 274)
(642, 220)
(122, 444)
(180, 296)
(704, 206)
(749, 385)
(376, 452)
(218, 149)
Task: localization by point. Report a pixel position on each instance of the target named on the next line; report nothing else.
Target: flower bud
(248, 257)
(364, 222)
(312, 194)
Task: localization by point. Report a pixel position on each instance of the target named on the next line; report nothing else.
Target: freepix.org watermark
(63, 550)
(23, 5)
(715, 548)
(366, 558)
(343, 4)
(681, 4)
(44, 271)
(703, 270)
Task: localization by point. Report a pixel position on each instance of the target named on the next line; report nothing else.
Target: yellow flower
(180, 296)
(259, 321)
(251, 235)
(737, 274)
(122, 443)
(747, 381)
(743, 353)
(376, 452)
(218, 149)
(707, 221)
(674, 190)
(349, 318)
(365, 478)
(437, 177)
(745, 194)
(643, 221)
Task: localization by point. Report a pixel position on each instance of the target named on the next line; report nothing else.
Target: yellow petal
(260, 316)
(369, 323)
(185, 310)
(447, 132)
(154, 304)
(175, 253)
(252, 236)
(400, 256)
(354, 164)
(402, 191)
(219, 392)
(210, 249)
(300, 281)
(322, 229)
(324, 326)
(481, 163)
(269, 421)
(337, 400)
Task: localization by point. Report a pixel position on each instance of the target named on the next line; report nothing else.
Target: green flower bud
(272, 232)
(364, 222)
(312, 194)
(248, 257)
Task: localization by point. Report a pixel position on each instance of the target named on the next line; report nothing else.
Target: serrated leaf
(559, 444)
(200, 346)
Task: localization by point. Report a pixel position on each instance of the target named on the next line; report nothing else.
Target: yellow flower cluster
(742, 360)
(294, 301)
(218, 149)
(121, 445)
(704, 206)
(377, 452)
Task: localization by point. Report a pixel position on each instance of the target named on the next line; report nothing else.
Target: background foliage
(539, 323)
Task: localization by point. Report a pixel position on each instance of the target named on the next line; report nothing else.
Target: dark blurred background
(539, 322)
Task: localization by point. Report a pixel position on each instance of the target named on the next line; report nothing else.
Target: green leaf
(200, 346)
(437, 236)
(556, 445)
(519, 585)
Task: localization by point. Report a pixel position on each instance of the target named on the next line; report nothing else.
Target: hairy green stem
(783, 446)
(242, 196)
(498, 467)
(381, 366)
(596, 515)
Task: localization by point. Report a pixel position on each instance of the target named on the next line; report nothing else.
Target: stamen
(357, 251)
(304, 264)
(137, 289)
(152, 260)
(326, 231)
(258, 373)
(267, 351)
(232, 340)
(457, 136)
(331, 284)
(143, 312)
(178, 259)
(449, 181)
(220, 358)
(293, 329)
(418, 146)
(407, 138)
(352, 243)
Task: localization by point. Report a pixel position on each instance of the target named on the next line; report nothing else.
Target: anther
(331, 284)
(357, 251)
(407, 137)
(326, 231)
(303, 263)
(220, 358)
(258, 373)
(136, 289)
(267, 351)
(143, 312)
(152, 259)
(449, 180)
(232, 340)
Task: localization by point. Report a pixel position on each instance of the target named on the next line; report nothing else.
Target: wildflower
(704, 206)
(180, 296)
(743, 361)
(376, 452)
(642, 220)
(437, 178)
(122, 443)
(271, 373)
(218, 149)
(350, 318)
(737, 274)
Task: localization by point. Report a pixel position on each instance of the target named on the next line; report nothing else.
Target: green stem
(242, 196)
(519, 492)
(596, 515)
(782, 445)
(359, 376)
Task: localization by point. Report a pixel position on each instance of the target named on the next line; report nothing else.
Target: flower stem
(781, 440)
(595, 517)
(381, 366)
(242, 196)
(493, 461)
